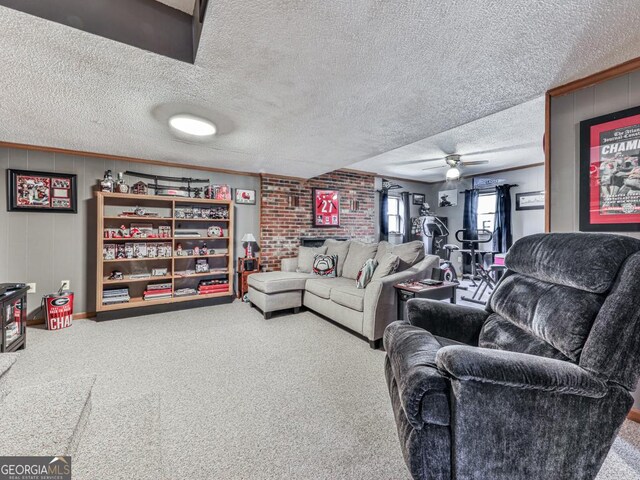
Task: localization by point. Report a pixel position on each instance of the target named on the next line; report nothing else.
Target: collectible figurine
(116, 275)
(204, 250)
(197, 192)
(196, 250)
(139, 188)
(121, 187)
(179, 249)
(120, 251)
(106, 185)
(214, 231)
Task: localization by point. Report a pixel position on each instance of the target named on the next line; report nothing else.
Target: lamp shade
(453, 173)
(248, 237)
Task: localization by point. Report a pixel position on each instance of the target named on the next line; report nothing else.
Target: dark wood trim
(588, 81)
(162, 163)
(510, 169)
(634, 415)
(547, 163)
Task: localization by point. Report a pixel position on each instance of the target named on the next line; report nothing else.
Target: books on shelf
(179, 233)
(206, 287)
(115, 295)
(185, 292)
(158, 290)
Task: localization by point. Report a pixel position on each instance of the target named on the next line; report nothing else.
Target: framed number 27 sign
(326, 208)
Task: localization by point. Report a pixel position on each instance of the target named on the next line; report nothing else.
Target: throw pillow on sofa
(365, 274)
(358, 254)
(387, 265)
(339, 248)
(325, 265)
(305, 258)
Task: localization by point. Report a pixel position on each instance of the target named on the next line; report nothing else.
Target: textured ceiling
(185, 6)
(512, 137)
(303, 87)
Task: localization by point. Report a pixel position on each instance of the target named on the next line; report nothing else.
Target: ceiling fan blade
(423, 160)
(506, 148)
(477, 162)
(439, 166)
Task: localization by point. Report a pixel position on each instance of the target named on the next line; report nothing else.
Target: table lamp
(248, 238)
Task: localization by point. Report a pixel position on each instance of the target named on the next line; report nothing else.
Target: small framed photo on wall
(326, 208)
(530, 201)
(41, 192)
(418, 198)
(245, 197)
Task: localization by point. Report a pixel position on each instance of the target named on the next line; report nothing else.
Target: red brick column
(283, 224)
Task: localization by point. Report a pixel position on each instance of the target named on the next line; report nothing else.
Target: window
(486, 211)
(393, 214)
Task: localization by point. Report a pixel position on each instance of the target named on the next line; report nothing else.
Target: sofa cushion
(305, 258)
(339, 248)
(321, 286)
(325, 265)
(358, 254)
(410, 253)
(348, 296)
(387, 265)
(366, 273)
(384, 247)
(274, 282)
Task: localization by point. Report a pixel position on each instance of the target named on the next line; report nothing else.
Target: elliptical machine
(433, 227)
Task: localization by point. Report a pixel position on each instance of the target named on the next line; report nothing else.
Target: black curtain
(470, 223)
(384, 219)
(406, 217)
(502, 237)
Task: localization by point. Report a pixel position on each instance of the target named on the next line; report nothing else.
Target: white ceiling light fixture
(453, 174)
(193, 125)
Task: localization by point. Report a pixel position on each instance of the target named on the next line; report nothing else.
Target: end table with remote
(408, 290)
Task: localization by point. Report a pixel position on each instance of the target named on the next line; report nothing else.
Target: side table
(243, 286)
(406, 291)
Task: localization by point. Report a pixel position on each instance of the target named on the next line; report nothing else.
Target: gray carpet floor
(219, 392)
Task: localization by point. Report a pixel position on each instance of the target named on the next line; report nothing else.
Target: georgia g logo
(59, 302)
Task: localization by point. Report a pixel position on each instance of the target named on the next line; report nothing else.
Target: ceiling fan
(453, 162)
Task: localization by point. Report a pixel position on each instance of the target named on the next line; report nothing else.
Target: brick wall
(283, 225)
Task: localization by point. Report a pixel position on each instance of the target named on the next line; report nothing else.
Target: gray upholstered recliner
(545, 394)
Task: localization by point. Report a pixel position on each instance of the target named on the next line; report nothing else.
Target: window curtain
(384, 219)
(502, 237)
(470, 222)
(406, 217)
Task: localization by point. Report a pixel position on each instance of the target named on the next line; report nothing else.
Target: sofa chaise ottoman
(366, 311)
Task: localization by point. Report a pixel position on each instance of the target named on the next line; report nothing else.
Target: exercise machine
(475, 256)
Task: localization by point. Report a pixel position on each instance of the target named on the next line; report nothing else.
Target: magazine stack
(205, 287)
(115, 295)
(157, 291)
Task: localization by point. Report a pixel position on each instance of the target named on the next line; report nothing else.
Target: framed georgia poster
(41, 191)
(610, 172)
(326, 208)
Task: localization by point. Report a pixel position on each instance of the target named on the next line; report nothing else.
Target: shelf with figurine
(140, 233)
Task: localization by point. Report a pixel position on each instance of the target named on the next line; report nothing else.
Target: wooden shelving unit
(109, 205)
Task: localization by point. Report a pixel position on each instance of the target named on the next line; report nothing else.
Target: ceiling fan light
(453, 173)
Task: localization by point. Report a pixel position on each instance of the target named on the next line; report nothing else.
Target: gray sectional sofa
(366, 311)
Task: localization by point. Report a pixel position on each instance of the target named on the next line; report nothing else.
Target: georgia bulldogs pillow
(325, 265)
